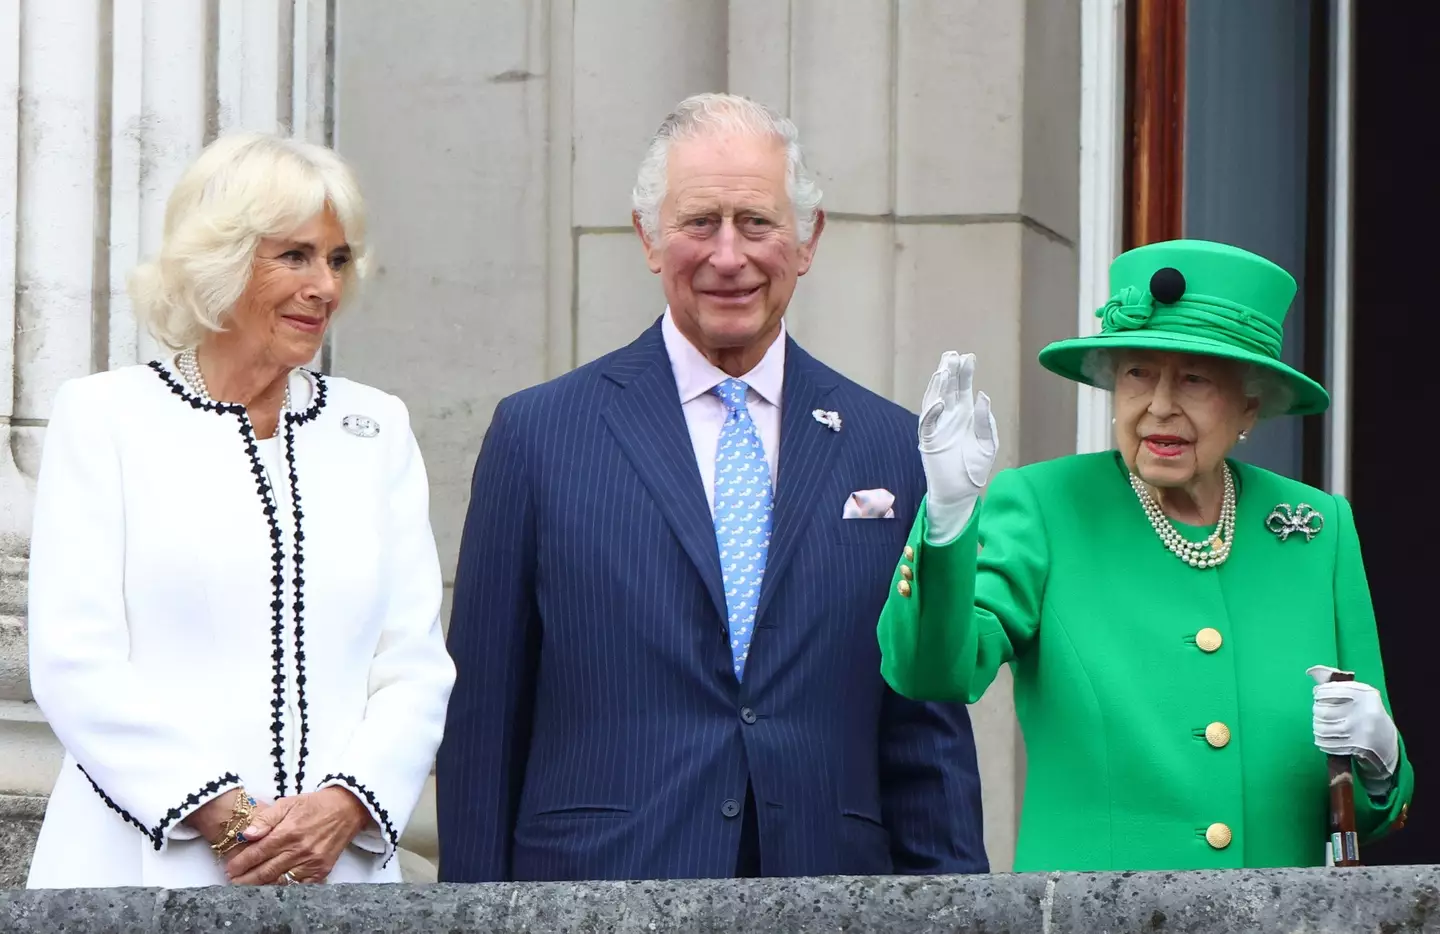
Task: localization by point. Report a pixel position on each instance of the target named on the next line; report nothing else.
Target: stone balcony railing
(1291, 901)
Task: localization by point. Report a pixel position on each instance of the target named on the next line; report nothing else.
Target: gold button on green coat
(1209, 639)
(1116, 678)
(1218, 836)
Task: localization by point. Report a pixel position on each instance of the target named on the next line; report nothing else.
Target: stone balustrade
(1314, 901)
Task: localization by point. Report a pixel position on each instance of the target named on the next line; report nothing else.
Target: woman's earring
(1244, 435)
(1112, 421)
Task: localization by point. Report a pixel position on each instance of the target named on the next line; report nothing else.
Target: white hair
(711, 115)
(243, 188)
(1258, 382)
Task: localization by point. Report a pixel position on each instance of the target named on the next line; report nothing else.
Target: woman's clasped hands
(294, 840)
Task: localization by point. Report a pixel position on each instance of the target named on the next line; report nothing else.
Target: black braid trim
(277, 604)
(177, 387)
(157, 835)
(299, 607)
(277, 562)
(375, 808)
(312, 412)
(291, 421)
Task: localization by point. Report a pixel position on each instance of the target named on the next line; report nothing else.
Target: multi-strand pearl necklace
(189, 367)
(1207, 554)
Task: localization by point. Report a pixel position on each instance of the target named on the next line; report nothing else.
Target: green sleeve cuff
(1377, 818)
(926, 631)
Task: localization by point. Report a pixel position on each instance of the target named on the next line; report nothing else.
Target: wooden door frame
(1155, 120)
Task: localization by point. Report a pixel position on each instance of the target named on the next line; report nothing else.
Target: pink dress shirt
(705, 413)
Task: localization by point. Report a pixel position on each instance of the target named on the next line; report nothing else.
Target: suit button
(748, 715)
(904, 588)
(905, 572)
(909, 553)
(731, 808)
(1208, 639)
(1217, 734)
(1218, 836)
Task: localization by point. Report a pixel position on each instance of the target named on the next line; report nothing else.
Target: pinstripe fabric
(596, 729)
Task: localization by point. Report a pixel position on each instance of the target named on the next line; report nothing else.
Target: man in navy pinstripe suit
(664, 632)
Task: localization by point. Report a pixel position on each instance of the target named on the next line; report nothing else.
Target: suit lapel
(807, 452)
(648, 422)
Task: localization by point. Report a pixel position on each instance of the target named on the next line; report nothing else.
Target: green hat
(1194, 297)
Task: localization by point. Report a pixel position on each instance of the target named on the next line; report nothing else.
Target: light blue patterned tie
(742, 516)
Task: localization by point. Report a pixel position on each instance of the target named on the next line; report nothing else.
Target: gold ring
(288, 878)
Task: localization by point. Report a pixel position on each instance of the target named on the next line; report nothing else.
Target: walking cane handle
(1344, 840)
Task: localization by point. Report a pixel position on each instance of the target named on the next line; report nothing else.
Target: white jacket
(169, 649)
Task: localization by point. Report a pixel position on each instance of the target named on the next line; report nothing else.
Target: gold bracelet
(226, 844)
(240, 816)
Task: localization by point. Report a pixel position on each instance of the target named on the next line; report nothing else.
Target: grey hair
(1274, 393)
(242, 188)
(714, 115)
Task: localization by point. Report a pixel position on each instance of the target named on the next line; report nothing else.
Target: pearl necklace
(189, 367)
(1207, 554)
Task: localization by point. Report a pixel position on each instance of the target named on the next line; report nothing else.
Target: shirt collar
(695, 376)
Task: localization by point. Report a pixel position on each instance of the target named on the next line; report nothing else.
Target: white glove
(957, 446)
(1350, 720)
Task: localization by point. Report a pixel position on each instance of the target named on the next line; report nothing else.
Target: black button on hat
(1167, 285)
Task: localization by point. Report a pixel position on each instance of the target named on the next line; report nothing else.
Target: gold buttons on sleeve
(1208, 639)
(907, 573)
(1217, 734)
(1218, 836)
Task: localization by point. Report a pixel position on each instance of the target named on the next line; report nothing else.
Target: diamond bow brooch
(830, 420)
(1285, 522)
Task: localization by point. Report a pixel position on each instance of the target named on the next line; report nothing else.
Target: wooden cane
(1344, 840)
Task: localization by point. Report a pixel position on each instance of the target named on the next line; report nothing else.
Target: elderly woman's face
(295, 286)
(1177, 416)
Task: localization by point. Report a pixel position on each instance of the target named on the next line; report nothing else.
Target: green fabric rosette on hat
(1194, 297)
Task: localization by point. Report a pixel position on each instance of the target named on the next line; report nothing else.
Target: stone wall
(1394, 900)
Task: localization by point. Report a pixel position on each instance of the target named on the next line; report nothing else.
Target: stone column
(48, 205)
(109, 100)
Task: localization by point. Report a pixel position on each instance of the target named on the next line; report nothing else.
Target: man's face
(727, 251)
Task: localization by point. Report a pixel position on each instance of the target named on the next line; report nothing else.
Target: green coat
(1114, 692)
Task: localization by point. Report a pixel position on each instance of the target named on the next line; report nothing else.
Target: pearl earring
(1244, 435)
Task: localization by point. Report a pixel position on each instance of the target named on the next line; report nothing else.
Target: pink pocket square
(870, 504)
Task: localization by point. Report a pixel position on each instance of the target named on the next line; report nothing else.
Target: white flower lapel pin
(1284, 521)
(830, 420)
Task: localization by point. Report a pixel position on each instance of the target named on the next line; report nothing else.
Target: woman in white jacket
(234, 589)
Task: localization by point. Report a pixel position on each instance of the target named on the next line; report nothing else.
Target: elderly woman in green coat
(1171, 615)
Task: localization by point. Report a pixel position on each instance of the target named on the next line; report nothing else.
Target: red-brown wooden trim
(1155, 105)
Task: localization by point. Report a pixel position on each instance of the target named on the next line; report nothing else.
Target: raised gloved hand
(1350, 720)
(957, 446)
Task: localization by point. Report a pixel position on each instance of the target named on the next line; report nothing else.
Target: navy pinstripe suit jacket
(596, 729)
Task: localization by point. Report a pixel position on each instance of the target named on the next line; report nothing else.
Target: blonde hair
(242, 188)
